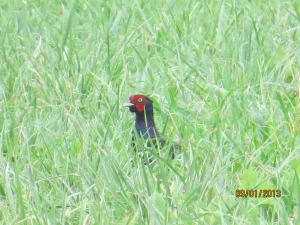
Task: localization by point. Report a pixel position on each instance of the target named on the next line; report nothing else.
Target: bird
(145, 127)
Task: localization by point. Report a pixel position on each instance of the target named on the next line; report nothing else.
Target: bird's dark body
(145, 127)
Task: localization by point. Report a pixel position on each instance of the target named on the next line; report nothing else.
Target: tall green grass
(224, 77)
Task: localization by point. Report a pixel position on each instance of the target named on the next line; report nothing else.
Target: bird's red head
(138, 103)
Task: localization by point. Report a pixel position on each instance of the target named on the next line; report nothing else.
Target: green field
(224, 78)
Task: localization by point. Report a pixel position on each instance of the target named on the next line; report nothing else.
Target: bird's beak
(127, 104)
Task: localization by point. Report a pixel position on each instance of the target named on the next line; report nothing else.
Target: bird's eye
(140, 100)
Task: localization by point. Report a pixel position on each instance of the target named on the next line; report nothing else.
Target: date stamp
(258, 194)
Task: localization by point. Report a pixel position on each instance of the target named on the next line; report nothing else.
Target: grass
(224, 77)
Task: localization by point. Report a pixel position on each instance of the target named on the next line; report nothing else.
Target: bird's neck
(145, 126)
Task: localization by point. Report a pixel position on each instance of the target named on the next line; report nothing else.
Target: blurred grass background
(224, 77)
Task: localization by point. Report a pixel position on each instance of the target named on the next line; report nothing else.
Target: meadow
(224, 78)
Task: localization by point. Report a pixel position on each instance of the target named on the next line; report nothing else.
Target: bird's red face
(137, 103)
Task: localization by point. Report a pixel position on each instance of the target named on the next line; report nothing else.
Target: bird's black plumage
(144, 121)
(145, 127)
